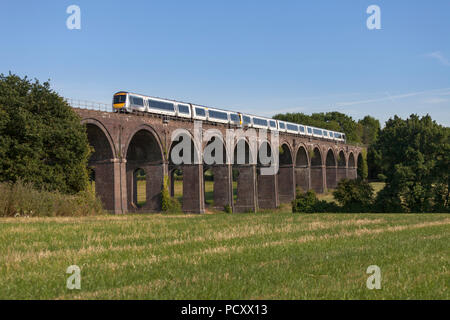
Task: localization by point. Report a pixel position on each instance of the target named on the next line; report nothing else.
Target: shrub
(308, 203)
(304, 202)
(22, 199)
(227, 208)
(168, 204)
(354, 195)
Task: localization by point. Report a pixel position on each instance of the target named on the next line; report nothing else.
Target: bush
(308, 203)
(227, 208)
(21, 199)
(354, 195)
(168, 204)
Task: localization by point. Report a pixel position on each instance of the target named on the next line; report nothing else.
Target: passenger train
(128, 102)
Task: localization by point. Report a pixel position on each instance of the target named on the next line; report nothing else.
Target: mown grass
(223, 256)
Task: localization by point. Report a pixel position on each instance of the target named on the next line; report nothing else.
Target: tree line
(410, 155)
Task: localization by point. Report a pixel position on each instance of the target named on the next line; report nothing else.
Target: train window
(161, 105)
(218, 115)
(119, 98)
(137, 101)
(200, 112)
(292, 127)
(325, 133)
(234, 117)
(183, 109)
(246, 120)
(272, 124)
(282, 126)
(259, 122)
(317, 131)
(309, 130)
(337, 135)
(302, 129)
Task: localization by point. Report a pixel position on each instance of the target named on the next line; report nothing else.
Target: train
(124, 101)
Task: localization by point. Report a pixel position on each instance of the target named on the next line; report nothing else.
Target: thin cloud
(391, 97)
(439, 56)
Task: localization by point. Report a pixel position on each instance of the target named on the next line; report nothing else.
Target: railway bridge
(125, 144)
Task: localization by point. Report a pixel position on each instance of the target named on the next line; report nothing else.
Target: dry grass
(223, 256)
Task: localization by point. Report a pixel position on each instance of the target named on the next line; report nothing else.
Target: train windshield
(120, 98)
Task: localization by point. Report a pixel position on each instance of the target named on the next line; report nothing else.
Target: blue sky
(261, 57)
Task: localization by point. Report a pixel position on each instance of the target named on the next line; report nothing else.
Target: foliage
(21, 199)
(414, 157)
(308, 203)
(362, 169)
(335, 121)
(370, 130)
(168, 204)
(41, 138)
(227, 208)
(354, 195)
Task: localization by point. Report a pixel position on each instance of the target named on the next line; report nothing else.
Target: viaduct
(125, 143)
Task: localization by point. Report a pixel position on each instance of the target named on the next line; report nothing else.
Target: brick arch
(101, 162)
(251, 157)
(341, 165)
(217, 135)
(344, 158)
(146, 128)
(351, 164)
(305, 148)
(331, 169)
(269, 150)
(351, 160)
(143, 151)
(316, 170)
(99, 125)
(286, 160)
(197, 152)
(302, 168)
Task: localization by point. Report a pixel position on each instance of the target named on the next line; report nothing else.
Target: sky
(260, 57)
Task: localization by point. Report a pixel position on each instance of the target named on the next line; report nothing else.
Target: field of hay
(226, 256)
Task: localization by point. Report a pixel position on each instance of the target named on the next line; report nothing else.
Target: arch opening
(244, 178)
(342, 167)
(186, 174)
(216, 175)
(302, 170)
(351, 172)
(331, 170)
(317, 174)
(101, 167)
(286, 175)
(145, 172)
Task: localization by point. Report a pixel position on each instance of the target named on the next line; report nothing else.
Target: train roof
(203, 106)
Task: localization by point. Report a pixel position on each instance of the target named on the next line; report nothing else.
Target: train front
(120, 101)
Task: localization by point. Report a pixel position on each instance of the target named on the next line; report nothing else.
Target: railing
(91, 105)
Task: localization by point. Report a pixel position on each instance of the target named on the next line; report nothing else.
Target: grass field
(226, 256)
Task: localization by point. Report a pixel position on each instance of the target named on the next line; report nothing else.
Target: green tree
(41, 138)
(354, 195)
(370, 130)
(415, 161)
